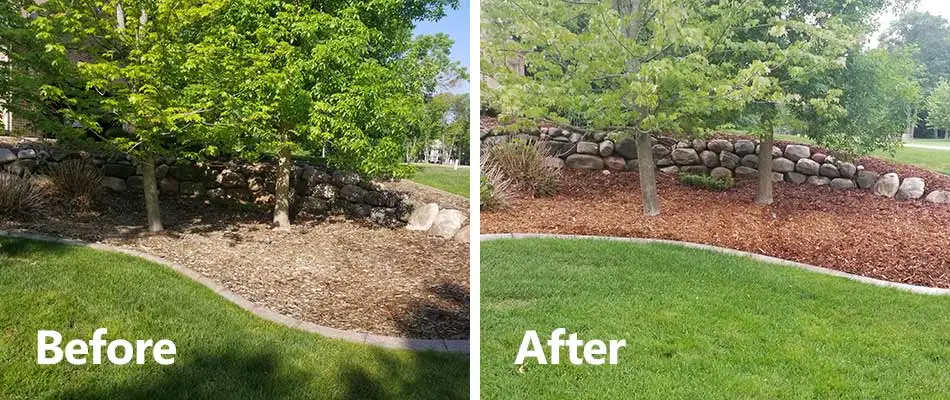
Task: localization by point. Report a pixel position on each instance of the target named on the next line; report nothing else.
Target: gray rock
(729, 160)
(866, 179)
(795, 177)
(615, 163)
(807, 166)
(776, 152)
(161, 171)
(847, 170)
(887, 185)
(660, 151)
(447, 222)
(324, 191)
(588, 148)
(576, 137)
(422, 218)
(626, 148)
(606, 148)
(664, 162)
(342, 178)
(229, 178)
(555, 131)
(114, 184)
(910, 189)
(743, 147)
(819, 157)
(719, 145)
(829, 170)
(777, 177)
(670, 170)
(584, 161)
(633, 165)
(553, 162)
(383, 216)
(599, 136)
(352, 193)
(462, 235)
(168, 185)
(355, 210)
(383, 199)
(721, 173)
(709, 159)
(685, 156)
(26, 154)
(783, 164)
(135, 182)
(191, 189)
(746, 172)
(694, 170)
(750, 161)
(818, 180)
(312, 206)
(699, 145)
(6, 156)
(842, 183)
(497, 140)
(938, 197)
(797, 152)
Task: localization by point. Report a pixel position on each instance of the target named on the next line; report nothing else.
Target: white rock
(423, 217)
(447, 222)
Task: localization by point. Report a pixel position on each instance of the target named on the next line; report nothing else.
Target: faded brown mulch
(335, 273)
(851, 231)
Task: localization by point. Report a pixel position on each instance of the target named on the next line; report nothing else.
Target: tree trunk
(763, 195)
(282, 192)
(648, 192)
(152, 209)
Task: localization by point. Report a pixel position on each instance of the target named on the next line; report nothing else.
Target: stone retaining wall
(737, 158)
(318, 192)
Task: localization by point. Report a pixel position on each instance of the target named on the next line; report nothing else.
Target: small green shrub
(494, 188)
(20, 195)
(76, 181)
(707, 182)
(523, 164)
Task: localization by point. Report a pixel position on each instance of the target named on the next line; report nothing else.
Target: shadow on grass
(18, 248)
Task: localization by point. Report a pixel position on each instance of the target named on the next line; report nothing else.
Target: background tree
(938, 107)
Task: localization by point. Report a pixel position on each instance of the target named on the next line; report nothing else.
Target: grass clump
(77, 182)
(494, 188)
(523, 164)
(707, 182)
(22, 194)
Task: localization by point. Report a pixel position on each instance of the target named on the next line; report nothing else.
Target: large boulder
(114, 184)
(795, 177)
(694, 170)
(626, 148)
(887, 185)
(719, 145)
(746, 172)
(866, 179)
(447, 222)
(910, 189)
(807, 166)
(743, 147)
(721, 173)
(26, 154)
(229, 178)
(615, 163)
(423, 217)
(938, 197)
(324, 191)
(553, 162)
(6, 156)
(783, 164)
(343, 178)
(847, 170)
(660, 151)
(588, 148)
(842, 183)
(750, 161)
(729, 160)
(699, 145)
(819, 157)
(462, 235)
(352, 193)
(584, 161)
(685, 156)
(829, 170)
(709, 159)
(606, 148)
(797, 152)
(818, 180)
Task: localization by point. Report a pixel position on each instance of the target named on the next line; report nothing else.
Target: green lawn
(223, 351)
(446, 178)
(702, 325)
(932, 142)
(932, 159)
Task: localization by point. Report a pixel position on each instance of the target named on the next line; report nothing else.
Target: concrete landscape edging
(757, 257)
(390, 342)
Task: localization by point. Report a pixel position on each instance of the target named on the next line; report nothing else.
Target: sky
(456, 25)
(936, 7)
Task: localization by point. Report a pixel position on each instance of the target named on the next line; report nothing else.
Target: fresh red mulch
(851, 231)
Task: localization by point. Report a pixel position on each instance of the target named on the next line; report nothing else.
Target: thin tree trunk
(282, 192)
(763, 195)
(152, 209)
(648, 192)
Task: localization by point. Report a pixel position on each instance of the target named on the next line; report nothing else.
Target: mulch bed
(851, 231)
(336, 273)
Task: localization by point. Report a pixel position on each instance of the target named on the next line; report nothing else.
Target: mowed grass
(702, 325)
(932, 159)
(223, 351)
(446, 178)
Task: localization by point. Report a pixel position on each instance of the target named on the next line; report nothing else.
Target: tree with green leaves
(938, 107)
(344, 77)
(135, 61)
(639, 67)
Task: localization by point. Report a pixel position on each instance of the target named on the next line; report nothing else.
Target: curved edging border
(757, 257)
(390, 342)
